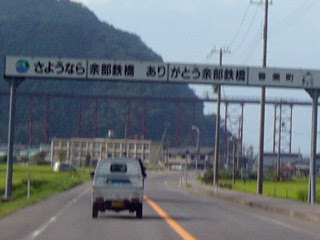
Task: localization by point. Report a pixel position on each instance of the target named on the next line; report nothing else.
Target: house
(270, 160)
(175, 157)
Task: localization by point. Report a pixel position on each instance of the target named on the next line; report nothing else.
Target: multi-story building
(79, 150)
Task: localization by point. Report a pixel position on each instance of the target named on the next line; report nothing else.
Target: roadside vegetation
(44, 183)
(294, 189)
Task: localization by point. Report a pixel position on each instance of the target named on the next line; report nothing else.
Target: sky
(188, 30)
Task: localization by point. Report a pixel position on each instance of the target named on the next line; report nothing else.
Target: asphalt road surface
(169, 213)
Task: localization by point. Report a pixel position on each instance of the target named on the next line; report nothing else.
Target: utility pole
(263, 97)
(161, 146)
(279, 141)
(198, 146)
(217, 137)
(234, 161)
(312, 194)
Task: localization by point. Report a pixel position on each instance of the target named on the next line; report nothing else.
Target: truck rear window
(118, 167)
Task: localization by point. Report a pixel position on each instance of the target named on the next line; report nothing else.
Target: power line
(293, 17)
(253, 44)
(241, 23)
(248, 30)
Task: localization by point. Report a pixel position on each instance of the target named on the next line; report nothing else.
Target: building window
(118, 145)
(109, 155)
(96, 154)
(146, 146)
(146, 156)
(131, 155)
(83, 145)
(76, 154)
(76, 144)
(64, 143)
(83, 154)
(131, 146)
(110, 145)
(139, 146)
(139, 155)
(96, 145)
(56, 144)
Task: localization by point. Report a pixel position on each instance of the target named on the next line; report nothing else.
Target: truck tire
(139, 211)
(95, 210)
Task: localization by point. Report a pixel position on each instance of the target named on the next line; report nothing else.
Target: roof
(192, 150)
(121, 159)
(292, 155)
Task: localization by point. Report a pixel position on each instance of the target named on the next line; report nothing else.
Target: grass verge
(296, 189)
(44, 183)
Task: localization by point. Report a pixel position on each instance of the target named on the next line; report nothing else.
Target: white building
(78, 150)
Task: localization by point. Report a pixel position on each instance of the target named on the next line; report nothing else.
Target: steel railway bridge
(143, 101)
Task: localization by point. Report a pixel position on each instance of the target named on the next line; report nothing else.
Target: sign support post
(217, 140)
(17, 68)
(14, 83)
(312, 167)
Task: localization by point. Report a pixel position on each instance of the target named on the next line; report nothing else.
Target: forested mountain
(61, 28)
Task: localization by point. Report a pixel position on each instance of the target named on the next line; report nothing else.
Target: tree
(38, 158)
(62, 156)
(88, 160)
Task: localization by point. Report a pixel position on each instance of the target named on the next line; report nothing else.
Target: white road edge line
(37, 232)
(262, 218)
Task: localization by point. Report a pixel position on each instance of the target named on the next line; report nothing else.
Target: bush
(271, 176)
(225, 185)
(3, 159)
(302, 195)
(252, 176)
(38, 158)
(208, 176)
(225, 174)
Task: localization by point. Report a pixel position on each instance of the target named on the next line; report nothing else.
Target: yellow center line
(183, 233)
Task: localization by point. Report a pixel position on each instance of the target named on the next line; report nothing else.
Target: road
(170, 213)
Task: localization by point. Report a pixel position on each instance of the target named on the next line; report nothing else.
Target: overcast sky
(188, 30)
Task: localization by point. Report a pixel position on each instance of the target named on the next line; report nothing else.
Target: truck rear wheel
(95, 210)
(139, 211)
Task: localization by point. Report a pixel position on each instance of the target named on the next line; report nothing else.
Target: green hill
(63, 28)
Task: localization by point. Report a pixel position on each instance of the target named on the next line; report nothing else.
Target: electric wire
(247, 32)
(232, 41)
(253, 44)
(292, 18)
(240, 26)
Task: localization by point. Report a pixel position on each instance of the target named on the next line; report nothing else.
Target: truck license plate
(117, 204)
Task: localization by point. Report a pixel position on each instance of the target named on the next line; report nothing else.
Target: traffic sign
(280, 77)
(28, 67)
(127, 70)
(111, 70)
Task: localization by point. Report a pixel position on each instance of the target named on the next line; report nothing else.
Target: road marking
(41, 229)
(183, 233)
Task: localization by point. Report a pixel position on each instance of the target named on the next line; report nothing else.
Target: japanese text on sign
(59, 68)
(207, 74)
(44, 67)
(137, 71)
(88, 69)
(284, 78)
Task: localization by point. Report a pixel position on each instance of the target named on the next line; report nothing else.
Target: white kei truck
(118, 185)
